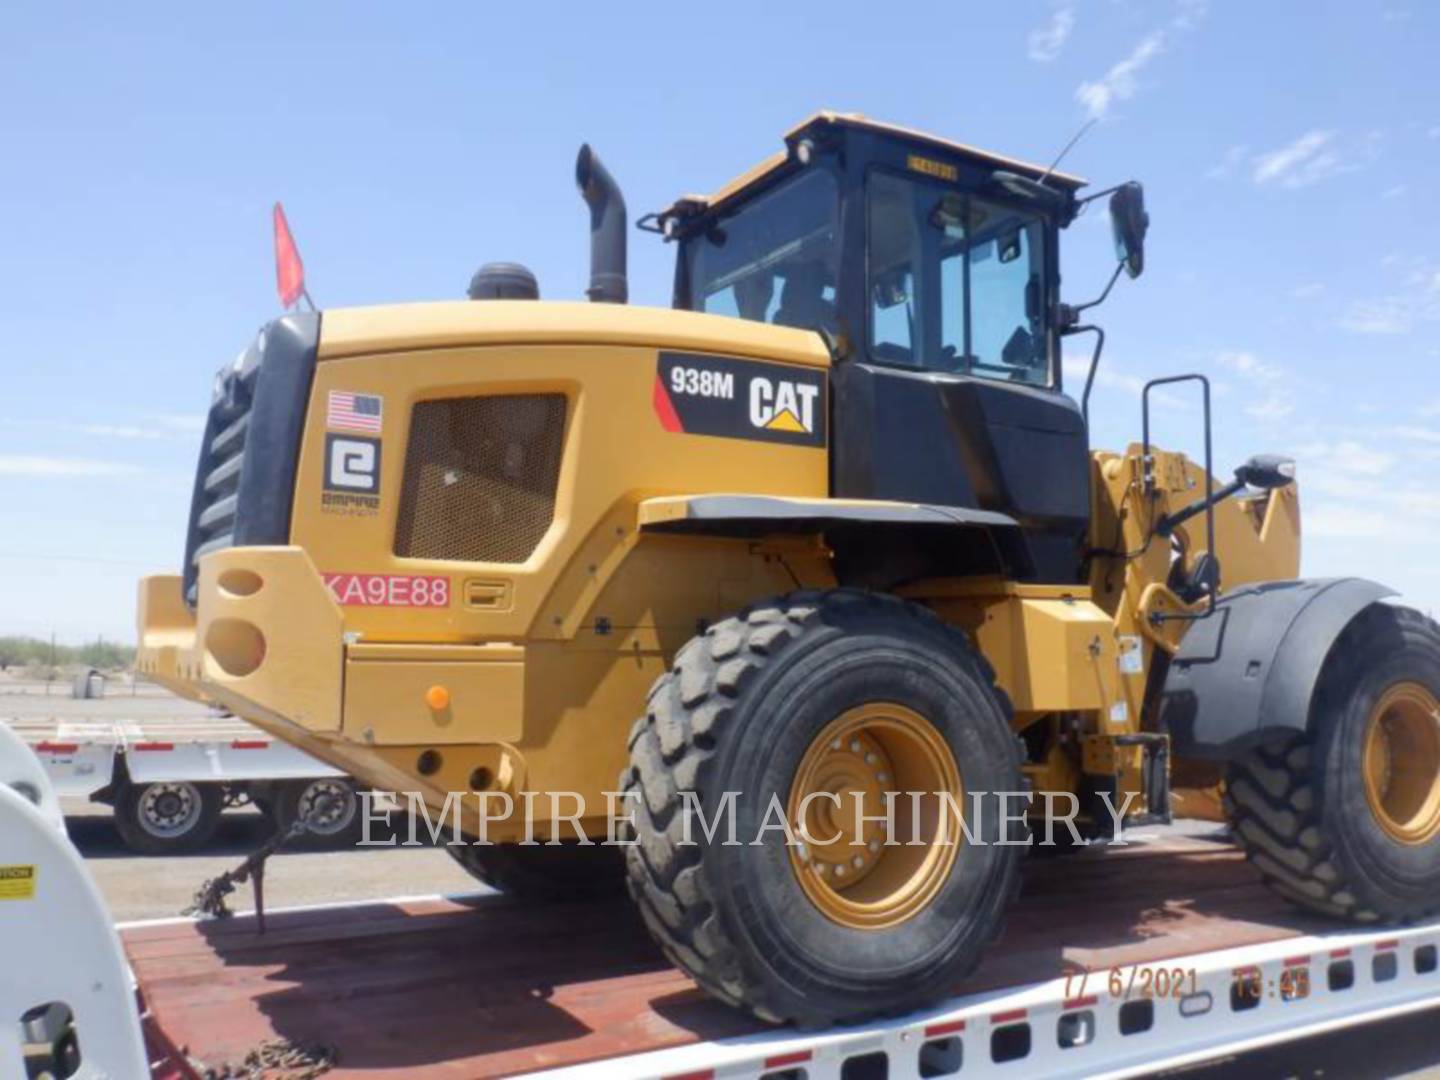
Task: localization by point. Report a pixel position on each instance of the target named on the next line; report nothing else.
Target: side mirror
(1267, 472)
(1129, 222)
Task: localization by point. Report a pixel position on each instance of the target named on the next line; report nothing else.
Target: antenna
(1074, 139)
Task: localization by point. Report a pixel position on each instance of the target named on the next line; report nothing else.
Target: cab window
(956, 283)
(774, 260)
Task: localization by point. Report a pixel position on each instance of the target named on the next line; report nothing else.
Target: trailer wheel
(1345, 819)
(338, 825)
(804, 707)
(541, 872)
(167, 817)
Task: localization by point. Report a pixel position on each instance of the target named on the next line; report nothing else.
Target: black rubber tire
(129, 802)
(1297, 804)
(291, 798)
(543, 872)
(736, 712)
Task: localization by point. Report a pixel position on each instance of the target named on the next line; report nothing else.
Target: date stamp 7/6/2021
(1159, 981)
(1132, 982)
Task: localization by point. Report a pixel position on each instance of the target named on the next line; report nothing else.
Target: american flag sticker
(354, 412)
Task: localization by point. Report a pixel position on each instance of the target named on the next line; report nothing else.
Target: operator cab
(932, 270)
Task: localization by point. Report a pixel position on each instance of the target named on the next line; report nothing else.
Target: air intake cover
(480, 477)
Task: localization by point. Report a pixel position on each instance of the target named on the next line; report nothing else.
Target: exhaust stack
(608, 281)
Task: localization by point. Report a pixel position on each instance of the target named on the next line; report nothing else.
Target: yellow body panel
(368, 331)
(616, 455)
(1050, 654)
(483, 687)
(167, 630)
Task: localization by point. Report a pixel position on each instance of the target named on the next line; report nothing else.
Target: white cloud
(1272, 407)
(156, 426)
(1250, 366)
(38, 465)
(1121, 82)
(1396, 15)
(1417, 434)
(1270, 397)
(1386, 315)
(186, 422)
(1308, 290)
(1345, 522)
(118, 431)
(1418, 300)
(1395, 192)
(1233, 159)
(1352, 458)
(1046, 42)
(1434, 132)
(1190, 13)
(1309, 158)
(1340, 495)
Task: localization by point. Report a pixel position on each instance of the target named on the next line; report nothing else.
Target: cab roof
(825, 119)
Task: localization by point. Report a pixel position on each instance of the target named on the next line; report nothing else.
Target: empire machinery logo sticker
(352, 461)
(352, 475)
(740, 399)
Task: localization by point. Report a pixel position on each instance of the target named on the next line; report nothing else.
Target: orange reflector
(438, 698)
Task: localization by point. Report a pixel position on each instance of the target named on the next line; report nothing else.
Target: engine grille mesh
(480, 477)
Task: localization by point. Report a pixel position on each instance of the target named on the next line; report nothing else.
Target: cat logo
(783, 405)
(731, 398)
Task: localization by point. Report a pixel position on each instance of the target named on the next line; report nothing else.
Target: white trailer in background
(168, 778)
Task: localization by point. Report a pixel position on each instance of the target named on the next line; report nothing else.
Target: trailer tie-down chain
(209, 899)
(277, 1059)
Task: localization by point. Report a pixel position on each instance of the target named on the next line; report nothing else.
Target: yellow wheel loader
(832, 529)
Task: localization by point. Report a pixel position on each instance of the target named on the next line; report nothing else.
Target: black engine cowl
(503, 281)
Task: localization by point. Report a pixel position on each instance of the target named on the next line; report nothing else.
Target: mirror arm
(1170, 522)
(1088, 199)
(1069, 318)
(1070, 315)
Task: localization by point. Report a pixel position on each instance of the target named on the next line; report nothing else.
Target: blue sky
(1289, 153)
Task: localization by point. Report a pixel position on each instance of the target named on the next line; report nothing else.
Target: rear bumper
(267, 641)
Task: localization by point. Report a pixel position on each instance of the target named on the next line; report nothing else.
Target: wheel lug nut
(840, 871)
(871, 759)
(883, 777)
(859, 861)
(874, 845)
(855, 746)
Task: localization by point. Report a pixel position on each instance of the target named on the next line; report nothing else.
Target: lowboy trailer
(1156, 955)
(168, 778)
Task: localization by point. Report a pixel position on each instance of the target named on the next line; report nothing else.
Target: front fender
(1252, 667)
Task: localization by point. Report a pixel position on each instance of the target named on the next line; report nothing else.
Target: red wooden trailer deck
(482, 986)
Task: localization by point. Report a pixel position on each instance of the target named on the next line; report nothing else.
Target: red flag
(289, 270)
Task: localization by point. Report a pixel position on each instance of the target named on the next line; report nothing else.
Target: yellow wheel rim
(850, 865)
(1402, 763)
